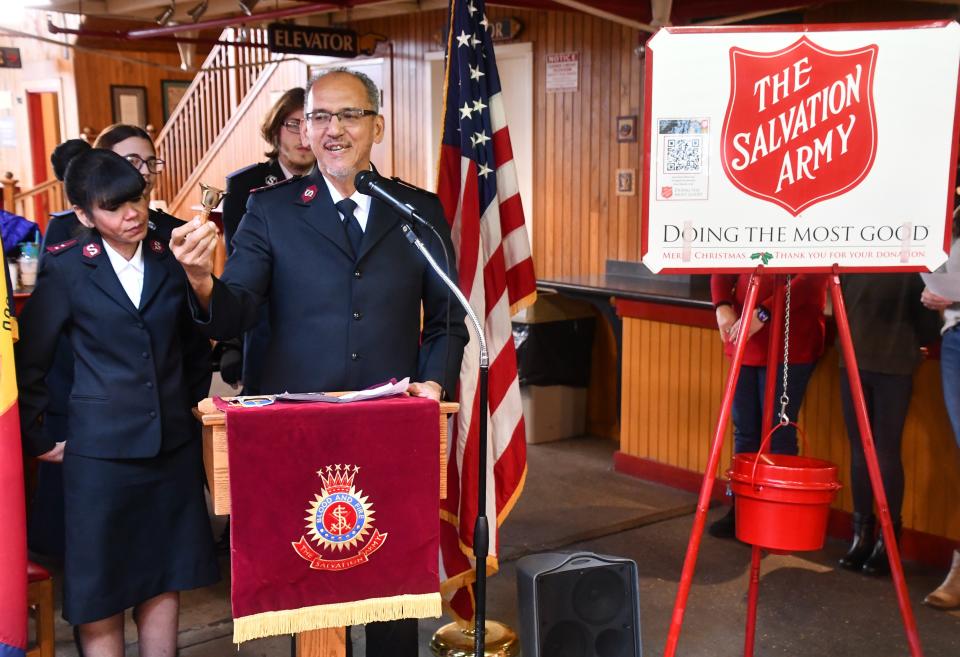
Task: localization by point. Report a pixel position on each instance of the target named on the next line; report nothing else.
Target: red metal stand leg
(752, 597)
(706, 488)
(774, 356)
(873, 466)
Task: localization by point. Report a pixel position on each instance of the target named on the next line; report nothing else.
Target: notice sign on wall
(800, 149)
(563, 71)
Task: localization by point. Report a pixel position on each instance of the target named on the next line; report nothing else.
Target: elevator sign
(800, 147)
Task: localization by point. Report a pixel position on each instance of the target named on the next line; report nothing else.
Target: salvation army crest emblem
(91, 250)
(800, 125)
(339, 522)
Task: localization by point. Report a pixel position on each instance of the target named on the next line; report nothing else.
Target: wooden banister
(34, 204)
(227, 76)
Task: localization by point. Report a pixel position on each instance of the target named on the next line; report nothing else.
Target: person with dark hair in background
(136, 524)
(288, 157)
(45, 527)
(345, 287)
(888, 326)
(132, 143)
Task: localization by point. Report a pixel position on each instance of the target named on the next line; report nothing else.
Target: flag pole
(481, 530)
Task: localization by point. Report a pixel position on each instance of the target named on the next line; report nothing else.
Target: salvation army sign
(800, 147)
(800, 125)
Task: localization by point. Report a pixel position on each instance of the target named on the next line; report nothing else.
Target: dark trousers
(747, 410)
(888, 398)
(391, 639)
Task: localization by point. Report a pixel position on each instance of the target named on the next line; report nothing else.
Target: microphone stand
(481, 533)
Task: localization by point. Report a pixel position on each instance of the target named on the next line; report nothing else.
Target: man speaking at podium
(344, 286)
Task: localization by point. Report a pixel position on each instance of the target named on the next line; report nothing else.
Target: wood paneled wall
(96, 72)
(578, 220)
(673, 379)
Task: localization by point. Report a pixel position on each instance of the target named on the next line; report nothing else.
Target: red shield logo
(801, 124)
(666, 192)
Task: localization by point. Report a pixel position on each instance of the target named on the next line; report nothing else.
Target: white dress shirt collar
(130, 272)
(362, 213)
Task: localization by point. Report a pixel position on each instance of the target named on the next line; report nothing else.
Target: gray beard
(341, 174)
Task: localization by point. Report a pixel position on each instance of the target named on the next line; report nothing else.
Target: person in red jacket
(807, 328)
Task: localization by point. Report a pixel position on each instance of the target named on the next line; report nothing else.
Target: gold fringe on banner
(359, 612)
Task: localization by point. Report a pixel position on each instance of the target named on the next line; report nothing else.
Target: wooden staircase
(229, 97)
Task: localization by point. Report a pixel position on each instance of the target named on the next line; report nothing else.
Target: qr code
(682, 155)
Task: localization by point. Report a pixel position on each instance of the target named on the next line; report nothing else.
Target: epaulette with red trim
(57, 249)
(279, 183)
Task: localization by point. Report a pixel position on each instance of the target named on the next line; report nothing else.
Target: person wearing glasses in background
(45, 527)
(288, 158)
(345, 288)
(133, 144)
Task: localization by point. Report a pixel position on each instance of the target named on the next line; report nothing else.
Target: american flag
(477, 184)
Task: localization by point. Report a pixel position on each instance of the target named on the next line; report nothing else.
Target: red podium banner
(334, 514)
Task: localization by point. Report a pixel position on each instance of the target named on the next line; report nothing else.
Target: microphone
(372, 184)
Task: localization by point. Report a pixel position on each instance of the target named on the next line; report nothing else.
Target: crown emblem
(337, 480)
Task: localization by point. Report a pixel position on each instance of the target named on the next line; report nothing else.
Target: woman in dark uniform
(45, 528)
(136, 527)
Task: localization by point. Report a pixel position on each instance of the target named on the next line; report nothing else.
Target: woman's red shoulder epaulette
(56, 249)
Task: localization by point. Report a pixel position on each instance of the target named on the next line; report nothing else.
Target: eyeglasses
(153, 164)
(292, 125)
(348, 117)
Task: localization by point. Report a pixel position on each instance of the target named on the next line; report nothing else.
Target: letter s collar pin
(91, 250)
(309, 194)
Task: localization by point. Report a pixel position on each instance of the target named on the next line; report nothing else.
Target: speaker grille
(586, 606)
(566, 639)
(598, 596)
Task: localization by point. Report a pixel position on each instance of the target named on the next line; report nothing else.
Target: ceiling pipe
(122, 36)
(154, 32)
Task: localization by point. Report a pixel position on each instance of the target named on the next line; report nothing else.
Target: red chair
(40, 604)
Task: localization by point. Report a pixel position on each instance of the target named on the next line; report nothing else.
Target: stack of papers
(388, 389)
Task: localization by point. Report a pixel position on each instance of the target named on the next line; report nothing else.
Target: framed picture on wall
(129, 104)
(627, 128)
(625, 182)
(172, 91)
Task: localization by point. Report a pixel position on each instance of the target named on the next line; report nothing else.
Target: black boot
(878, 563)
(725, 527)
(863, 542)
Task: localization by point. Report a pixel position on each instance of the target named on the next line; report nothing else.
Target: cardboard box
(554, 412)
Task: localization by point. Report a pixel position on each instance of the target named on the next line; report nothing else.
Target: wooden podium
(330, 642)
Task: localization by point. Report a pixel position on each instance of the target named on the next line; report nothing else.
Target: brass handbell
(210, 198)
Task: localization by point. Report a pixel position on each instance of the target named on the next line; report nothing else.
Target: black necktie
(351, 223)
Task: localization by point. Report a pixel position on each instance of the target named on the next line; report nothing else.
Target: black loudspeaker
(578, 605)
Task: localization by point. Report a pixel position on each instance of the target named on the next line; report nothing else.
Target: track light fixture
(246, 6)
(197, 12)
(164, 17)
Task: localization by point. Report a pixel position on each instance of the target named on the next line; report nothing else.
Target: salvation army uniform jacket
(137, 371)
(339, 320)
(61, 227)
(239, 185)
